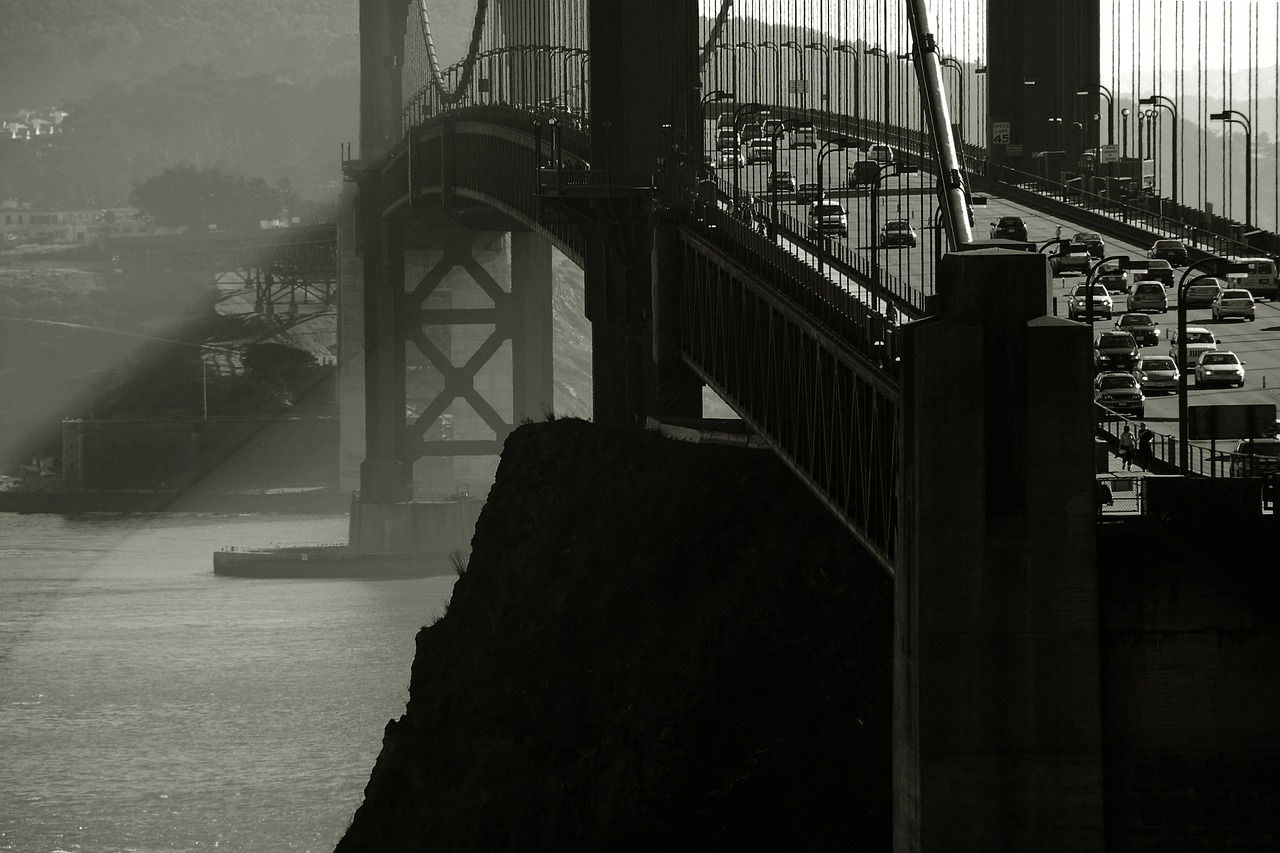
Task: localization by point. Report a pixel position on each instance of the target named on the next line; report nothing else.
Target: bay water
(148, 705)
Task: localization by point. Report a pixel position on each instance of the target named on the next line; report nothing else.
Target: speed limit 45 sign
(1000, 133)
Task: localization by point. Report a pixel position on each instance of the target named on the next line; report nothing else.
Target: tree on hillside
(204, 198)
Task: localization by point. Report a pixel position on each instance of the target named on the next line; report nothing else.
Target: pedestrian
(1126, 449)
(1146, 442)
(1057, 235)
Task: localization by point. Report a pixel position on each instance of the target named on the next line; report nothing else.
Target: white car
(1220, 366)
(1233, 302)
(880, 152)
(1078, 306)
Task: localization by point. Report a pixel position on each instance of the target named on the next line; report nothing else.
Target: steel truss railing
(828, 409)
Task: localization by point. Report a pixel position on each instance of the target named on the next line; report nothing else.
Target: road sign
(1013, 149)
(798, 87)
(1245, 421)
(1000, 133)
(1108, 153)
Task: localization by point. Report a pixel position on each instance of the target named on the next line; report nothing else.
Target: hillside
(655, 646)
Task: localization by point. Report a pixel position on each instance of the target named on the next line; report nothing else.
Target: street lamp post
(799, 49)
(1111, 118)
(1056, 121)
(737, 132)
(1124, 123)
(1167, 103)
(852, 51)
(884, 115)
(1237, 117)
(710, 98)
(782, 127)
(777, 67)
(839, 143)
(755, 67)
(1184, 450)
(883, 170)
(826, 72)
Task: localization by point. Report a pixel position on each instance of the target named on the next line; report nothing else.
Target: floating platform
(329, 561)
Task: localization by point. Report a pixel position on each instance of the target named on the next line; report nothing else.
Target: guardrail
(1202, 461)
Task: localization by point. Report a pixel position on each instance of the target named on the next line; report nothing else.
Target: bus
(1257, 275)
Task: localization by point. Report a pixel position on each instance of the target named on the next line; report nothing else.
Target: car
(897, 232)
(1220, 366)
(1199, 341)
(1077, 306)
(1173, 251)
(1159, 270)
(861, 173)
(1157, 373)
(1010, 228)
(828, 217)
(727, 139)
(1114, 282)
(1144, 330)
(781, 181)
(804, 136)
(1115, 351)
(1092, 242)
(808, 192)
(772, 126)
(1147, 295)
(1120, 393)
(731, 160)
(880, 152)
(1233, 302)
(751, 131)
(1203, 292)
(1256, 457)
(759, 150)
(1075, 261)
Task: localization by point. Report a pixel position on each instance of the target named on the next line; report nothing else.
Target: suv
(1173, 251)
(1010, 227)
(1148, 296)
(1077, 307)
(862, 173)
(1199, 341)
(828, 217)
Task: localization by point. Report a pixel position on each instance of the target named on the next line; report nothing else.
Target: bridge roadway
(1257, 343)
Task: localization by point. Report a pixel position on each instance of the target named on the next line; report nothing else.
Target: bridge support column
(532, 388)
(997, 730)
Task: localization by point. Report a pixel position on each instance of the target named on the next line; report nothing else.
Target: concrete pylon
(997, 729)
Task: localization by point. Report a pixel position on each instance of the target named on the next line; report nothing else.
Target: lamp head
(1150, 100)
(1218, 116)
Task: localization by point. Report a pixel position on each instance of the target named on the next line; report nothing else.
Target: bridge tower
(1039, 56)
(423, 291)
(997, 669)
(645, 99)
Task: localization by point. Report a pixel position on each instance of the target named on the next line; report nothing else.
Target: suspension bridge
(700, 163)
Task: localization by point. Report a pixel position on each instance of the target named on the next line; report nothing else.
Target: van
(759, 151)
(804, 136)
(1256, 275)
(726, 138)
(1199, 341)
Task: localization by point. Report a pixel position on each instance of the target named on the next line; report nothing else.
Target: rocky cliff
(655, 646)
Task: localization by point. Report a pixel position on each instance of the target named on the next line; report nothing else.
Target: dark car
(782, 181)
(1144, 330)
(1119, 392)
(1173, 251)
(1256, 457)
(807, 192)
(1160, 270)
(1115, 351)
(1092, 242)
(1010, 228)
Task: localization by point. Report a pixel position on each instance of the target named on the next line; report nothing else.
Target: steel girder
(831, 413)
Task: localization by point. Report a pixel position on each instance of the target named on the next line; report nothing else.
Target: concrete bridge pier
(997, 729)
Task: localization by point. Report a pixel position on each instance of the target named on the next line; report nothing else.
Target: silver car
(1234, 302)
(1157, 374)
